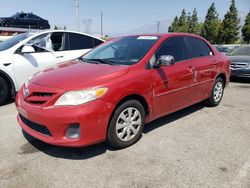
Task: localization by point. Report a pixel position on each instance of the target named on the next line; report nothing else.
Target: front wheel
(126, 125)
(4, 91)
(5, 24)
(216, 93)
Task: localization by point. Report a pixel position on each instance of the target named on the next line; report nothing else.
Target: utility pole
(87, 24)
(77, 15)
(158, 26)
(101, 25)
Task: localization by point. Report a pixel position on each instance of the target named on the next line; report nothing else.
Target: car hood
(4, 18)
(77, 75)
(242, 59)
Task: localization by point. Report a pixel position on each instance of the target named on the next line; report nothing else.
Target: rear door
(204, 61)
(171, 84)
(78, 44)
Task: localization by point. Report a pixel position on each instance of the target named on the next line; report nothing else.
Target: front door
(171, 84)
(48, 52)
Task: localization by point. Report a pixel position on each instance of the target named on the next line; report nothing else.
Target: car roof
(165, 35)
(65, 31)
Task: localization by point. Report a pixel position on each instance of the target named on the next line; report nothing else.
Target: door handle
(59, 56)
(190, 69)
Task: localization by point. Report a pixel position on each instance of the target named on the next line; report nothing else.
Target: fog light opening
(73, 131)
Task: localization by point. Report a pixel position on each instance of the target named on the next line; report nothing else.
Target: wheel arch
(137, 97)
(223, 77)
(10, 82)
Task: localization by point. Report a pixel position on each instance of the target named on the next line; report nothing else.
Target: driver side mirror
(165, 60)
(27, 49)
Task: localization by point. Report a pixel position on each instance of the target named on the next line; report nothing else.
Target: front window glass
(13, 41)
(48, 42)
(123, 51)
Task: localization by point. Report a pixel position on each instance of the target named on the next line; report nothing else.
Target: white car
(25, 54)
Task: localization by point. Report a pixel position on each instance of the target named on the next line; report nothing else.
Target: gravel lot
(195, 147)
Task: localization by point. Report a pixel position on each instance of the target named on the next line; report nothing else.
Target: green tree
(211, 26)
(182, 26)
(56, 28)
(229, 30)
(193, 24)
(64, 28)
(246, 29)
(174, 25)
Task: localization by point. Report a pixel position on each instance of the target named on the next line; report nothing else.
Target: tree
(56, 28)
(229, 30)
(193, 24)
(246, 29)
(64, 28)
(211, 26)
(182, 26)
(173, 27)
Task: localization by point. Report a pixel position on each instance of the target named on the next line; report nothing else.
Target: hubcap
(128, 124)
(218, 90)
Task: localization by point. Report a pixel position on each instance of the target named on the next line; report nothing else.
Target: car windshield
(13, 41)
(244, 50)
(223, 49)
(14, 15)
(123, 51)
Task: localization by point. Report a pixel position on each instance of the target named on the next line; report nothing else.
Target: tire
(216, 93)
(130, 117)
(4, 91)
(5, 24)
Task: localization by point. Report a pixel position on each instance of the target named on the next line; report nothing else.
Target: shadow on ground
(35, 145)
(172, 117)
(240, 80)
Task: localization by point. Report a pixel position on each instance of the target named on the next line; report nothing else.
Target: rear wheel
(216, 93)
(126, 124)
(4, 91)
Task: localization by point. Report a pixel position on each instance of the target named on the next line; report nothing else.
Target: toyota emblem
(26, 92)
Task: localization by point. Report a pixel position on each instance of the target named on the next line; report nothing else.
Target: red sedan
(112, 91)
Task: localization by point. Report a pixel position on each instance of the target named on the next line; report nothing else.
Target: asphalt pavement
(195, 147)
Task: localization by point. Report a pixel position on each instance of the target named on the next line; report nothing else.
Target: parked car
(24, 20)
(226, 49)
(240, 66)
(113, 90)
(26, 53)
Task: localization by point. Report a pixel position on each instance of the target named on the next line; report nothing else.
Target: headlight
(73, 98)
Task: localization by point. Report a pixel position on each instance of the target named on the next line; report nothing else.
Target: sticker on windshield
(147, 38)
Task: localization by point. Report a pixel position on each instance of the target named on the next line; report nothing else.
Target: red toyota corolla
(112, 91)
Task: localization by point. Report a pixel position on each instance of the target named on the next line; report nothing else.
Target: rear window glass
(199, 47)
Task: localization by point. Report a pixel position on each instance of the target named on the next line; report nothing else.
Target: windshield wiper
(99, 61)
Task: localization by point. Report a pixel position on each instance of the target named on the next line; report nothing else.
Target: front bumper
(241, 73)
(92, 117)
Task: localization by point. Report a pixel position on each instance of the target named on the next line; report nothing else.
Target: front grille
(42, 94)
(38, 98)
(235, 66)
(35, 126)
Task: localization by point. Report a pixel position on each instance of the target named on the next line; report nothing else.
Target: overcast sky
(119, 17)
